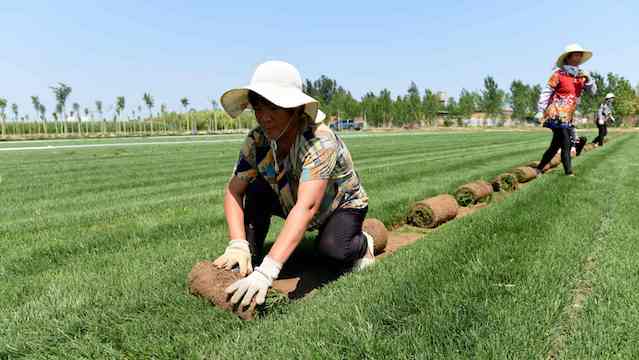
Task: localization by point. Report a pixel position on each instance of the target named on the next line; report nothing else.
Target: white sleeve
(544, 98)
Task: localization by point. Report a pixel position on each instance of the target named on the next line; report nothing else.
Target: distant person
(294, 167)
(604, 117)
(558, 103)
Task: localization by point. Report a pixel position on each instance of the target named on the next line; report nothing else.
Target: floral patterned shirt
(317, 154)
(559, 100)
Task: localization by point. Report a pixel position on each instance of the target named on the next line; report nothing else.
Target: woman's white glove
(255, 285)
(237, 253)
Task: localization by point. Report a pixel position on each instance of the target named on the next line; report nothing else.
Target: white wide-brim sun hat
(610, 96)
(571, 49)
(280, 83)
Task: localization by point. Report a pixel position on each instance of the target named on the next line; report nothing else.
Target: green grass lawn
(96, 244)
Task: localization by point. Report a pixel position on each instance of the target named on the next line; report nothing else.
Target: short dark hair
(256, 99)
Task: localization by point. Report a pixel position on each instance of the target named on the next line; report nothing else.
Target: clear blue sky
(200, 48)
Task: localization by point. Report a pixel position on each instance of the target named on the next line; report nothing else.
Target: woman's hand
(237, 253)
(255, 285)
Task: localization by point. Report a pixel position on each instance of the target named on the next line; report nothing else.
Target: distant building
(443, 98)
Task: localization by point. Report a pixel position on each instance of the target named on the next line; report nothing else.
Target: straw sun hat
(280, 83)
(573, 48)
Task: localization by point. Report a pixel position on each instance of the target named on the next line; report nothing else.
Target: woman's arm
(590, 84)
(547, 92)
(309, 199)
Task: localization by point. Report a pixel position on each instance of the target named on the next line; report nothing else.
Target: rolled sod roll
(434, 211)
(505, 182)
(532, 164)
(555, 161)
(524, 174)
(378, 231)
(473, 192)
(535, 164)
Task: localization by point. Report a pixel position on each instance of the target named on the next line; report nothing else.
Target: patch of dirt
(209, 282)
(400, 239)
(465, 211)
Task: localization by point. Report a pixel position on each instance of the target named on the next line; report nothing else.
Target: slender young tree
(150, 103)
(185, 104)
(61, 93)
(43, 116)
(56, 118)
(76, 112)
(14, 110)
(99, 109)
(87, 122)
(36, 105)
(163, 115)
(3, 107)
(120, 104)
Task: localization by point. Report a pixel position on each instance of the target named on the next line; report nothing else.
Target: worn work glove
(255, 285)
(237, 253)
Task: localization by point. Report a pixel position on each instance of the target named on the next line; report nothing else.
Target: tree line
(382, 109)
(425, 107)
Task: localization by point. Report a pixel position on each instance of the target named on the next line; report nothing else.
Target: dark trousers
(560, 140)
(603, 132)
(340, 238)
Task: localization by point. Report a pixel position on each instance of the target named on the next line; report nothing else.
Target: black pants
(603, 132)
(560, 140)
(581, 142)
(340, 238)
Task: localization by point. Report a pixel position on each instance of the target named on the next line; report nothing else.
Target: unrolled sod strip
(505, 182)
(473, 192)
(434, 211)
(524, 173)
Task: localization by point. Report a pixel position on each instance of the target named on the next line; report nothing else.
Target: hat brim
(587, 55)
(235, 101)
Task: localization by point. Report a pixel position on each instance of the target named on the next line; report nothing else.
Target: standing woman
(558, 103)
(604, 116)
(294, 167)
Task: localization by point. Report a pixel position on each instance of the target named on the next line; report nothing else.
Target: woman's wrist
(270, 268)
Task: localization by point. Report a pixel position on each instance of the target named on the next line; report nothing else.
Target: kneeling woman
(294, 167)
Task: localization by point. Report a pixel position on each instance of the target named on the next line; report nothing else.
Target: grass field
(96, 243)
